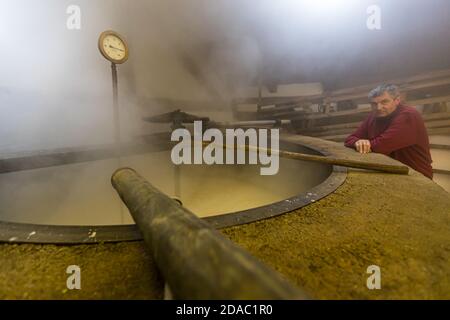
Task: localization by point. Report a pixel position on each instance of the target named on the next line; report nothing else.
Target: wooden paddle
(388, 168)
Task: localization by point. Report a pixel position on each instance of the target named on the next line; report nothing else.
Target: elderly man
(395, 130)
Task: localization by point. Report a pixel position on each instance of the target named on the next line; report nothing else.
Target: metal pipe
(118, 143)
(116, 108)
(196, 261)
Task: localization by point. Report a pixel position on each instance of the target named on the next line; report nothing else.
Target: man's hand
(363, 146)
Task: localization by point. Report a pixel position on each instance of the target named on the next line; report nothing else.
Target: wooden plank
(342, 137)
(404, 87)
(432, 100)
(436, 116)
(288, 114)
(420, 77)
(441, 171)
(396, 169)
(437, 124)
(412, 83)
(268, 108)
(279, 108)
(173, 104)
(434, 131)
(428, 118)
(439, 146)
(338, 113)
(278, 100)
(350, 125)
(349, 129)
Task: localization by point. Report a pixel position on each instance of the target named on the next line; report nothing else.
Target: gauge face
(113, 47)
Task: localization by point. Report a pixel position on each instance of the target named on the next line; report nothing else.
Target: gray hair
(392, 89)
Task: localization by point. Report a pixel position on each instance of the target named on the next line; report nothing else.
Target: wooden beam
(439, 146)
(350, 125)
(173, 104)
(363, 111)
(411, 79)
(404, 87)
(435, 131)
(441, 171)
(289, 114)
(431, 100)
(436, 116)
(348, 128)
(279, 108)
(278, 100)
(341, 137)
(347, 131)
(413, 83)
(437, 124)
(316, 116)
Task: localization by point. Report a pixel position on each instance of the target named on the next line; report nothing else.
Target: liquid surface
(81, 194)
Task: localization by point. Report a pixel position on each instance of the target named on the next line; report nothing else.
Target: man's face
(384, 105)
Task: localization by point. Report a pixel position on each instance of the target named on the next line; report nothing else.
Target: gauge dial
(113, 47)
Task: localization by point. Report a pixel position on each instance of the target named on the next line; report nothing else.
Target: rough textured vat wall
(108, 271)
(400, 223)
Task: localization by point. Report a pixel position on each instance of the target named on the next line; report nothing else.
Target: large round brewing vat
(324, 246)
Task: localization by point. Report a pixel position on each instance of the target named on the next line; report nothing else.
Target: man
(395, 130)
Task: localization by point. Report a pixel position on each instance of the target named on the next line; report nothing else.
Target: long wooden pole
(388, 168)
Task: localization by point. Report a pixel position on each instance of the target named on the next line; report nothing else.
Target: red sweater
(401, 135)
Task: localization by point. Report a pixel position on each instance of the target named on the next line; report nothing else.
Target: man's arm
(400, 134)
(361, 133)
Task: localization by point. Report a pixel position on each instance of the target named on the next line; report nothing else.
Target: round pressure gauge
(113, 47)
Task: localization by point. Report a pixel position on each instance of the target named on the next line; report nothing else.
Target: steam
(55, 87)
(55, 92)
